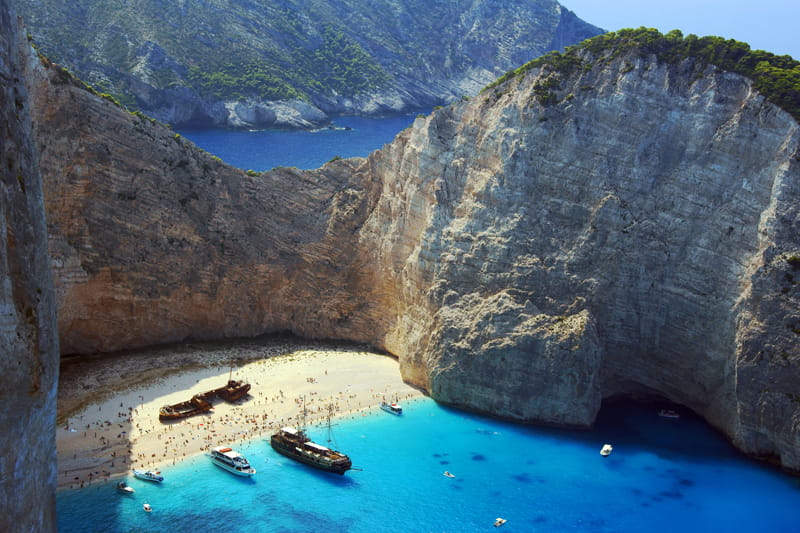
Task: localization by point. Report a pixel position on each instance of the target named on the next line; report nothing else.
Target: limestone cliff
(28, 339)
(626, 226)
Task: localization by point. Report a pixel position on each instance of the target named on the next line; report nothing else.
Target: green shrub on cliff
(776, 77)
(336, 64)
(237, 80)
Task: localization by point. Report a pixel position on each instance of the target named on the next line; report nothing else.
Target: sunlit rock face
(523, 254)
(28, 340)
(637, 236)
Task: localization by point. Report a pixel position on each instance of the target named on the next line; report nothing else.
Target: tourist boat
(605, 451)
(393, 408)
(124, 488)
(295, 444)
(448, 474)
(197, 405)
(147, 508)
(499, 522)
(668, 413)
(232, 461)
(149, 475)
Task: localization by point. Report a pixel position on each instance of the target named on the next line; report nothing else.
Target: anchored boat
(149, 475)
(232, 461)
(393, 408)
(124, 488)
(295, 444)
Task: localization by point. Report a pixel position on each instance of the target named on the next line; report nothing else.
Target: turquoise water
(265, 149)
(663, 476)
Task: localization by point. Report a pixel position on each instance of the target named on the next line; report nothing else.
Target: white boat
(668, 413)
(147, 507)
(393, 408)
(448, 474)
(232, 461)
(149, 475)
(605, 451)
(124, 488)
(499, 522)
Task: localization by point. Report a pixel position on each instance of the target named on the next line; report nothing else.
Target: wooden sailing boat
(295, 444)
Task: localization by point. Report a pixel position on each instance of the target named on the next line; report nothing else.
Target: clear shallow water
(663, 476)
(266, 149)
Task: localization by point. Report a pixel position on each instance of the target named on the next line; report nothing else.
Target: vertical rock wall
(634, 235)
(28, 340)
(634, 232)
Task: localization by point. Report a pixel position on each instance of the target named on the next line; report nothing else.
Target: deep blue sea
(664, 475)
(261, 150)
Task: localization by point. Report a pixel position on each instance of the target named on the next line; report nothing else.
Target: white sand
(110, 438)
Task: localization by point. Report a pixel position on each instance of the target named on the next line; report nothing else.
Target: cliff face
(639, 236)
(260, 64)
(28, 339)
(155, 240)
(626, 229)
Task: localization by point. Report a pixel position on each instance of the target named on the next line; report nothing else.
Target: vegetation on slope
(337, 64)
(776, 77)
(152, 53)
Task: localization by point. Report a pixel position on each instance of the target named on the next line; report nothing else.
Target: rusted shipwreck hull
(197, 405)
(201, 403)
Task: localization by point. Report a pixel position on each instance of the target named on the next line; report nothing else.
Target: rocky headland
(619, 226)
(287, 64)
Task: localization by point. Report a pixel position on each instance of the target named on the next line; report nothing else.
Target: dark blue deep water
(664, 475)
(266, 149)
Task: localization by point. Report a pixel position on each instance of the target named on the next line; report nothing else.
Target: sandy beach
(108, 406)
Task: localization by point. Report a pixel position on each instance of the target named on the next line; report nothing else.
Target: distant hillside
(227, 62)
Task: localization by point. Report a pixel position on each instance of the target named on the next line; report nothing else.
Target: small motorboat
(392, 408)
(668, 413)
(499, 522)
(149, 475)
(448, 474)
(147, 508)
(124, 488)
(605, 451)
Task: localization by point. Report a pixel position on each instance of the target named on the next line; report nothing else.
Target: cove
(262, 150)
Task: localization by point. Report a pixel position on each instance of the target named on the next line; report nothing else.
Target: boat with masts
(232, 461)
(295, 444)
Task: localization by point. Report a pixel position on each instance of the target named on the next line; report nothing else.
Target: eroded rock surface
(633, 233)
(28, 339)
